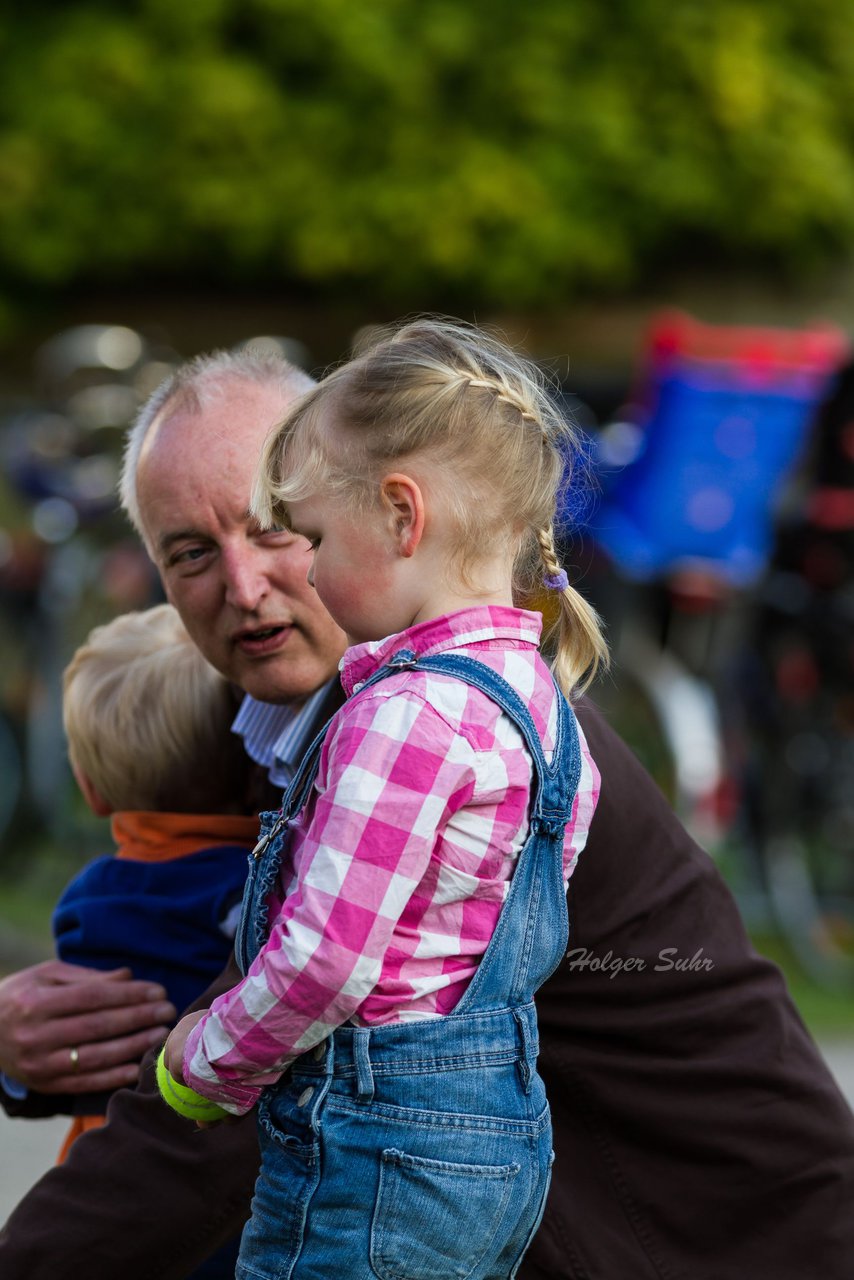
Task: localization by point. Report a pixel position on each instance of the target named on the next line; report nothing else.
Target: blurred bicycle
(694, 474)
(69, 562)
(800, 698)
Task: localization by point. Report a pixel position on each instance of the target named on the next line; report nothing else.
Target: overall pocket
(434, 1218)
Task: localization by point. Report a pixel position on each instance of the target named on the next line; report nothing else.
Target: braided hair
(484, 415)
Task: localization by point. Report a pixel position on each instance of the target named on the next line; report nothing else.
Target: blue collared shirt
(275, 735)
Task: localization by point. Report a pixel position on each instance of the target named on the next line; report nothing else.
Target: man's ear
(404, 502)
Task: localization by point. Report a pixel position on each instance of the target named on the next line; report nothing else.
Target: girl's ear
(402, 498)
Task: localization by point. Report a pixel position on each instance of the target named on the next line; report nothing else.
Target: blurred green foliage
(511, 151)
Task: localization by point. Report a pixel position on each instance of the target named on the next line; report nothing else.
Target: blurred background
(656, 201)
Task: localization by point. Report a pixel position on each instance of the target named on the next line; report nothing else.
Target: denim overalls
(420, 1150)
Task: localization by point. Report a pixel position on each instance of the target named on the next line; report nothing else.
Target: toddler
(147, 721)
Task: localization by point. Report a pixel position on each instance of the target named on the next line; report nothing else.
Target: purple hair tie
(556, 581)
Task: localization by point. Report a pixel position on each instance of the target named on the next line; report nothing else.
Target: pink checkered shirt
(401, 860)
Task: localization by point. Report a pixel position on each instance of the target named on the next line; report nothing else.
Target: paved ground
(29, 1147)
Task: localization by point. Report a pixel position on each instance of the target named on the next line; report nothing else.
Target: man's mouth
(263, 639)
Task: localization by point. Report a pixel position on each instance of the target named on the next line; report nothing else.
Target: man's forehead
(238, 405)
(191, 467)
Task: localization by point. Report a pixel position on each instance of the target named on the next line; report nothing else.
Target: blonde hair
(484, 415)
(147, 718)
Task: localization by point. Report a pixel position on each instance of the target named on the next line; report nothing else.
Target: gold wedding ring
(75, 1060)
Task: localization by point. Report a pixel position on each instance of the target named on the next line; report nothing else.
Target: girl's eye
(314, 543)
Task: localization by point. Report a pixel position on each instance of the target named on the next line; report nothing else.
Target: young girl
(410, 897)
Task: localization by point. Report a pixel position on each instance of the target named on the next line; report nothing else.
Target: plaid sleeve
(391, 775)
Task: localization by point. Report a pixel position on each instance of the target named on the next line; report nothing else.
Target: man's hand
(67, 1029)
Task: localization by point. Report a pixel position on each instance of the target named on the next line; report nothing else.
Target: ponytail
(581, 649)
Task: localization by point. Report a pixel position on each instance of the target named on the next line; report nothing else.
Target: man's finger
(104, 1026)
(94, 1081)
(71, 999)
(62, 973)
(89, 1068)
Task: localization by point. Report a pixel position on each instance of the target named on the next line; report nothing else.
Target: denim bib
(420, 1150)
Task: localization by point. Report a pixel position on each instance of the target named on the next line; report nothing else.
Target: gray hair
(193, 386)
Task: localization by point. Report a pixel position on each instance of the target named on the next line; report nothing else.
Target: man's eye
(188, 555)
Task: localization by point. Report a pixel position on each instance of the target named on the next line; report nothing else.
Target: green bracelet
(181, 1098)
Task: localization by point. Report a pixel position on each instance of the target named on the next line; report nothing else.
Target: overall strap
(555, 783)
(266, 857)
(530, 938)
(296, 794)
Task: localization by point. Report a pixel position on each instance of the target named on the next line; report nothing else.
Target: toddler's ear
(404, 502)
(91, 794)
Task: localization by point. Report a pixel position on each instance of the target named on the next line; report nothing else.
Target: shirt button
(305, 1096)
(319, 1051)
(358, 686)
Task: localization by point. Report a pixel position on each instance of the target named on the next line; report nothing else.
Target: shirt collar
(275, 735)
(483, 626)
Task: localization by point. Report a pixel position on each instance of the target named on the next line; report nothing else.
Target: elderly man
(697, 1132)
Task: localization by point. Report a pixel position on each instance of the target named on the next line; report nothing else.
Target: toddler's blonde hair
(148, 719)
(483, 414)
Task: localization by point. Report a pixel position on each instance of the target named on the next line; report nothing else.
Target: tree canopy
(512, 151)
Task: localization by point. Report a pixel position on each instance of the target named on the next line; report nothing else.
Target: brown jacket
(698, 1135)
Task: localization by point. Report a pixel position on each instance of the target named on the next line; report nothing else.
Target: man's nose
(246, 582)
